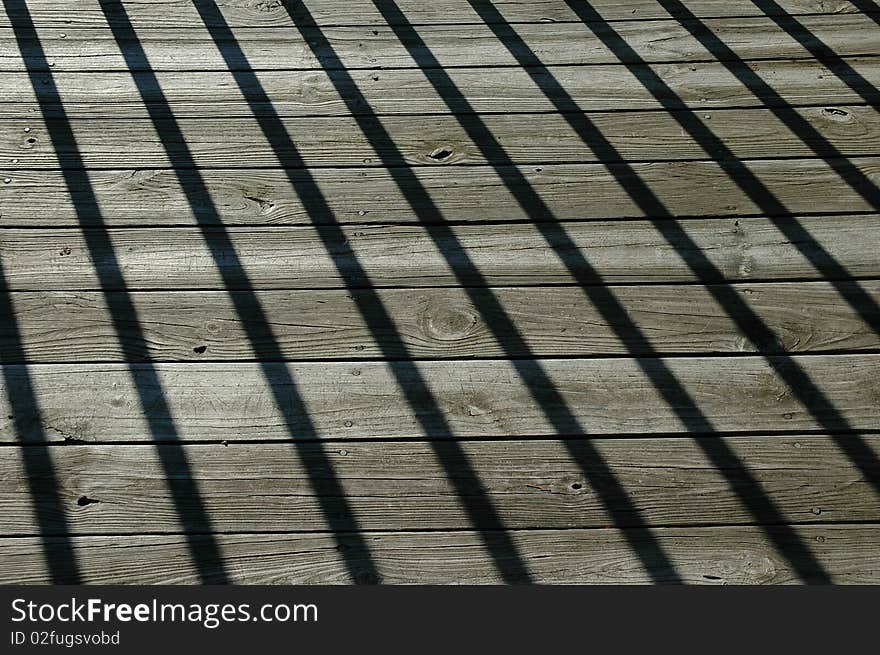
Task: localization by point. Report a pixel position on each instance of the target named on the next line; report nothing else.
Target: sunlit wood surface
(393, 291)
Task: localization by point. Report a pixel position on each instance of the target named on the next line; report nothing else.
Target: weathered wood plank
(405, 91)
(438, 141)
(708, 555)
(452, 45)
(473, 193)
(477, 398)
(256, 13)
(430, 323)
(403, 486)
(502, 255)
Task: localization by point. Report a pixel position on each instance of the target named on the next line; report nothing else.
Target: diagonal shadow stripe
(740, 479)
(188, 503)
(798, 382)
(614, 497)
(747, 321)
(326, 486)
(824, 263)
(800, 33)
(473, 496)
(58, 551)
(867, 7)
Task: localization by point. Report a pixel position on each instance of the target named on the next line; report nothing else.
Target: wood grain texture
(606, 408)
(602, 87)
(472, 193)
(403, 486)
(378, 46)
(438, 141)
(476, 398)
(258, 13)
(297, 257)
(710, 555)
(429, 323)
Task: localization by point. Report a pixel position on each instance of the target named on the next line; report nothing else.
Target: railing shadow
(614, 497)
(823, 262)
(482, 515)
(742, 482)
(58, 550)
(799, 32)
(867, 7)
(433, 423)
(747, 321)
(188, 503)
(799, 383)
(326, 486)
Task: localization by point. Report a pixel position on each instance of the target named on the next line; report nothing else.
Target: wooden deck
(440, 292)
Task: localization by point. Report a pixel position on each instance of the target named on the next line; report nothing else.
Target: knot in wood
(443, 322)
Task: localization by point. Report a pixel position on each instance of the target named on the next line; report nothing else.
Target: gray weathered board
(600, 87)
(361, 256)
(440, 399)
(71, 326)
(253, 13)
(473, 193)
(847, 553)
(444, 140)
(404, 485)
(487, 348)
(309, 48)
